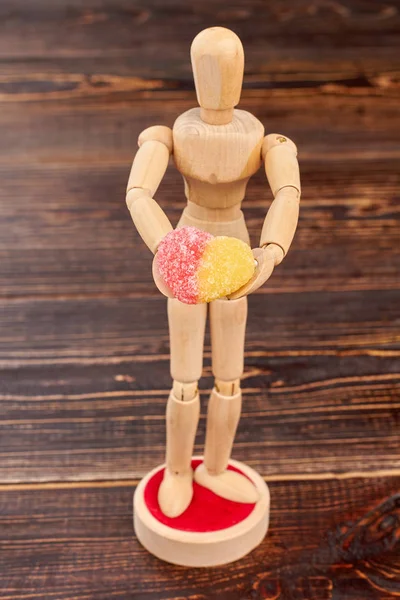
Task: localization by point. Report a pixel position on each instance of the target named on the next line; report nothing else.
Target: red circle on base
(206, 512)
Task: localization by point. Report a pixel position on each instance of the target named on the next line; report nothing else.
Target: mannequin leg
(186, 330)
(228, 324)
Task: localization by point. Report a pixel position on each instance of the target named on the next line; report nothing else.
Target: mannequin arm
(148, 169)
(282, 170)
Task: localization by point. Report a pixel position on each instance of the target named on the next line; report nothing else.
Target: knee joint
(227, 388)
(185, 391)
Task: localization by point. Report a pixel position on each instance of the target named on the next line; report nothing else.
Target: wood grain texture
(84, 374)
(330, 123)
(75, 541)
(79, 395)
(321, 389)
(290, 40)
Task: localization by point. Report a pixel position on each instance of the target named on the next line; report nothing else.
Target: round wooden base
(195, 539)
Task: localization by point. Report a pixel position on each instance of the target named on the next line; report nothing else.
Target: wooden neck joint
(216, 117)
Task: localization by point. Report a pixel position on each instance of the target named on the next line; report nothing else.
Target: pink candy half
(178, 258)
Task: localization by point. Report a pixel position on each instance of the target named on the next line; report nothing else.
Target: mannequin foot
(228, 484)
(175, 493)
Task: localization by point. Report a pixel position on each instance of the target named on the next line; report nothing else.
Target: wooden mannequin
(216, 148)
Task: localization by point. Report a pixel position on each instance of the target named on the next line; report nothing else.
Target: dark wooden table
(84, 340)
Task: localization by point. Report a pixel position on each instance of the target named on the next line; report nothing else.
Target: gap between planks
(19, 360)
(302, 477)
(145, 294)
(316, 155)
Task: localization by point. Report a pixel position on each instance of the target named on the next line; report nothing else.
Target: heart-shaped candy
(198, 267)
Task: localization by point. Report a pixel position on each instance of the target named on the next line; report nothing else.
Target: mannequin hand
(159, 281)
(266, 257)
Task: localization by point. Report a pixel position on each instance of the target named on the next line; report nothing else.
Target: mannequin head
(218, 64)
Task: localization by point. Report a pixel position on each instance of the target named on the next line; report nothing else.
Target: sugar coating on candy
(198, 267)
(226, 265)
(178, 258)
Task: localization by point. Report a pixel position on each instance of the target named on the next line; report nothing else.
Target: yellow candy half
(227, 264)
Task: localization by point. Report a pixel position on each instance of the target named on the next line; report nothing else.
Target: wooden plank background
(84, 372)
